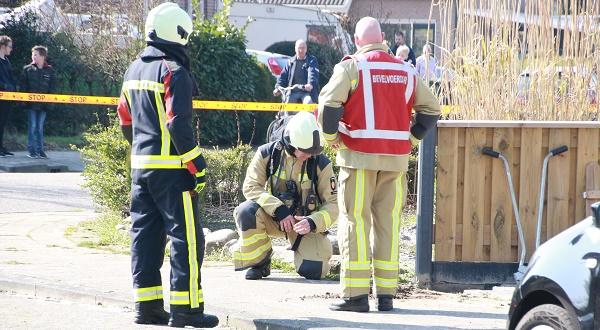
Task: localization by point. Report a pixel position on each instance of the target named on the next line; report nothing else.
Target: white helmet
(168, 22)
(302, 133)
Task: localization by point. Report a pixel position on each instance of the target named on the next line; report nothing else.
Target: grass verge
(101, 233)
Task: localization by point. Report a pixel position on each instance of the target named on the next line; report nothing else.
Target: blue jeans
(300, 97)
(35, 132)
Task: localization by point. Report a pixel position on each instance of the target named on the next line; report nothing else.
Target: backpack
(276, 128)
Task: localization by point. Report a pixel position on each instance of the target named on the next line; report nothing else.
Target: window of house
(320, 34)
(415, 34)
(420, 38)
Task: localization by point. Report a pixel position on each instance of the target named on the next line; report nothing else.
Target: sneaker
(5, 152)
(42, 154)
(32, 155)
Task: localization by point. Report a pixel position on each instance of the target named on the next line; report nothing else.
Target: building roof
(299, 2)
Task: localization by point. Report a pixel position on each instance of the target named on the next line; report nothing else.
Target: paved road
(35, 257)
(49, 313)
(43, 192)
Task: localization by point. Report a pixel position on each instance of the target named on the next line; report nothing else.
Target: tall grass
(520, 60)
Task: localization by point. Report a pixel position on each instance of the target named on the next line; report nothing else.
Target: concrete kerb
(45, 290)
(231, 319)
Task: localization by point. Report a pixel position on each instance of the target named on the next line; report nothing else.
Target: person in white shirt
(426, 65)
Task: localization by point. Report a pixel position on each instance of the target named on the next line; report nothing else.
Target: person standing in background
(38, 77)
(399, 41)
(7, 84)
(427, 66)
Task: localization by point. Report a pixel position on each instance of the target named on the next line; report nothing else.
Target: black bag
(276, 127)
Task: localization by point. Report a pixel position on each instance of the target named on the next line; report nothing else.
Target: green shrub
(327, 56)
(224, 71)
(225, 175)
(330, 153)
(106, 171)
(107, 177)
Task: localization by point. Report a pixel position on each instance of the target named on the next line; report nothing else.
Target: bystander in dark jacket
(38, 77)
(302, 69)
(8, 84)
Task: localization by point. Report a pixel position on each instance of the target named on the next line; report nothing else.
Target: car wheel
(548, 317)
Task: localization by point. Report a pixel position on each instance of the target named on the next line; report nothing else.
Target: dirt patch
(326, 295)
(405, 291)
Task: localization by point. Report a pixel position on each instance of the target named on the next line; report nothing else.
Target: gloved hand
(414, 141)
(200, 180)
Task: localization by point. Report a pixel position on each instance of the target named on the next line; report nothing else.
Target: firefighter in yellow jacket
(366, 111)
(290, 189)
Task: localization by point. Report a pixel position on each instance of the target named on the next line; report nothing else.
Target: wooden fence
(474, 219)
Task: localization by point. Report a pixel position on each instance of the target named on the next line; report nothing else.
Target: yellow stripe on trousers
(147, 294)
(359, 200)
(190, 233)
(183, 297)
(390, 283)
(396, 212)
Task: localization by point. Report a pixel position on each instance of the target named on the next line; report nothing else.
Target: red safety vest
(377, 115)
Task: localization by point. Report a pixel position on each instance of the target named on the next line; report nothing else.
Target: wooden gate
(474, 220)
(474, 217)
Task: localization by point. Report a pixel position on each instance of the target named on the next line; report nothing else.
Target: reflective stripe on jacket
(156, 101)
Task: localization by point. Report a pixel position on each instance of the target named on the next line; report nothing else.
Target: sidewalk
(58, 161)
(35, 257)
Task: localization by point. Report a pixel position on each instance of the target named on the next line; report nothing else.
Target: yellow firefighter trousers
(256, 228)
(369, 198)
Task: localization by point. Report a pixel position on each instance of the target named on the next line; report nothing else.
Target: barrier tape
(113, 101)
(196, 104)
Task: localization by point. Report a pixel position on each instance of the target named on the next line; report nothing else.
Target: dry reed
(520, 60)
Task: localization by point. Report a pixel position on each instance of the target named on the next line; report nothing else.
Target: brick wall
(388, 11)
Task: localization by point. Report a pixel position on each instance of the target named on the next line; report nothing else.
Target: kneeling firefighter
(291, 192)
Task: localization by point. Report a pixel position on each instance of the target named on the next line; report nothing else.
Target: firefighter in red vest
(365, 111)
(167, 171)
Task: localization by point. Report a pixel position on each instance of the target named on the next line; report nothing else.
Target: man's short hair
(5, 40)
(399, 34)
(43, 51)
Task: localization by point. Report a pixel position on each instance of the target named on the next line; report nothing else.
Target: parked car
(275, 62)
(561, 287)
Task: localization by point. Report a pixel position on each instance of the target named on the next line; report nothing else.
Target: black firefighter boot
(356, 304)
(385, 303)
(150, 312)
(184, 317)
(263, 269)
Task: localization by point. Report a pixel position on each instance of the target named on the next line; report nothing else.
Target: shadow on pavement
(319, 322)
(297, 280)
(473, 315)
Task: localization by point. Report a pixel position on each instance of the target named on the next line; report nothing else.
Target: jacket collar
(372, 47)
(151, 52)
(46, 65)
(306, 58)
